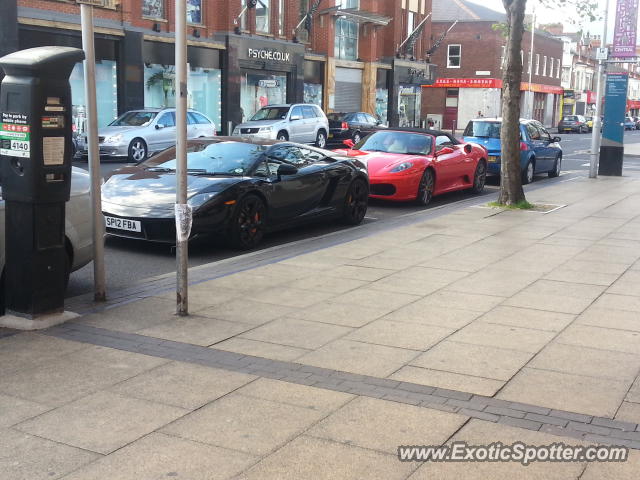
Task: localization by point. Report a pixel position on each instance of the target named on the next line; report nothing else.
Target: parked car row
(574, 123)
(243, 187)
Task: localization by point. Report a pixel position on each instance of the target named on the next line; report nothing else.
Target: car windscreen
(482, 129)
(220, 158)
(569, 118)
(396, 142)
(134, 119)
(270, 113)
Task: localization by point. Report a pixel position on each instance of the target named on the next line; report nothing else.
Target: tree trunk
(511, 191)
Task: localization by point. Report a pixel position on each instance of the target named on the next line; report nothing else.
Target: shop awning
(358, 15)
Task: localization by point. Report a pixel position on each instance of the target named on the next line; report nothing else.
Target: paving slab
(27, 457)
(629, 412)
(182, 384)
(627, 470)
(341, 314)
(448, 380)
(205, 295)
(602, 338)
(297, 333)
(477, 432)
(299, 395)
(418, 280)
(383, 425)
(627, 284)
(76, 375)
(369, 274)
(196, 330)
(461, 300)
(629, 303)
(493, 281)
(162, 456)
(327, 284)
(245, 310)
(586, 361)
(369, 297)
(261, 349)
(359, 357)
(564, 297)
(400, 334)
(250, 425)
(503, 336)
(30, 349)
(15, 410)
(528, 318)
(290, 297)
(317, 459)
(564, 391)
(102, 422)
(424, 313)
(475, 360)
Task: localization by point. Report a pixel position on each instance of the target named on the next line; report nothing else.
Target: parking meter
(35, 167)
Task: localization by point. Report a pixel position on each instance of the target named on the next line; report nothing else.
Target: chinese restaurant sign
(624, 32)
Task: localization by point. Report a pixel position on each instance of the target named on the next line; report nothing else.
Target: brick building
(470, 62)
(344, 57)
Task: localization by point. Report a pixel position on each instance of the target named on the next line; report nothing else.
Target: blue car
(539, 151)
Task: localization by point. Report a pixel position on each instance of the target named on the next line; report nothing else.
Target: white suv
(302, 123)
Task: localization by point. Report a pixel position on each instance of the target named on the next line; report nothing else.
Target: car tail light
(523, 146)
(344, 126)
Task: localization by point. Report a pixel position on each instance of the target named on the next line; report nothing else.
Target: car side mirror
(444, 151)
(159, 126)
(556, 139)
(286, 169)
(349, 143)
(293, 118)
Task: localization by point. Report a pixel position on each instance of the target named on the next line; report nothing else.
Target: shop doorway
(450, 117)
(259, 89)
(409, 105)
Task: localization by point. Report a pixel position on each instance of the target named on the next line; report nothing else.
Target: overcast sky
(547, 15)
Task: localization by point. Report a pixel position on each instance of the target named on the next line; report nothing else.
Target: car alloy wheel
(321, 139)
(356, 202)
(283, 136)
(356, 138)
(249, 222)
(528, 174)
(479, 178)
(137, 150)
(425, 189)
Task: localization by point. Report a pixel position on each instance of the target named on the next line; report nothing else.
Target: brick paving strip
(557, 422)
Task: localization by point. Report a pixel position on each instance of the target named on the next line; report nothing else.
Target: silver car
(302, 123)
(139, 133)
(78, 226)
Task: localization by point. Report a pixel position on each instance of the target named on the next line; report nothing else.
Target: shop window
(410, 22)
(281, 14)
(346, 39)
(107, 100)
(194, 11)
(260, 89)
(313, 79)
(263, 16)
(454, 56)
(382, 95)
(153, 8)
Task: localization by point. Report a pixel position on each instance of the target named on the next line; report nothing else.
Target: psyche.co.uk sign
(264, 54)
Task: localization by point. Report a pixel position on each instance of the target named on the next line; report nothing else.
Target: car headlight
(201, 198)
(403, 166)
(266, 129)
(113, 139)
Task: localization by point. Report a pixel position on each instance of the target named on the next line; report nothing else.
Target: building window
(410, 22)
(544, 66)
(303, 33)
(153, 8)
(529, 64)
(346, 39)
(281, 13)
(194, 11)
(263, 14)
(537, 64)
(558, 68)
(522, 57)
(454, 55)
(551, 67)
(502, 56)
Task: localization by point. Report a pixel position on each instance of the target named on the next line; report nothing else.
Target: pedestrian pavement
(481, 325)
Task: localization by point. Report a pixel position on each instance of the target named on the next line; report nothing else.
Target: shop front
(107, 71)
(406, 97)
(313, 82)
(262, 72)
(204, 79)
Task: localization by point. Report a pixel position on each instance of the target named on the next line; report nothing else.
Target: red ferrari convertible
(415, 164)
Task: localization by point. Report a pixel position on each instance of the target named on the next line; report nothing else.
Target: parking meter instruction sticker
(53, 150)
(15, 135)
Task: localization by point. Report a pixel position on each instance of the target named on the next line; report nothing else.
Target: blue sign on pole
(612, 146)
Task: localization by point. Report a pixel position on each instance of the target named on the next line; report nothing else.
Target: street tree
(511, 192)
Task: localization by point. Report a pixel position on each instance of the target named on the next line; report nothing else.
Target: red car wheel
(425, 189)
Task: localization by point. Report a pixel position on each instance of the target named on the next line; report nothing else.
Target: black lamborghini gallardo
(239, 188)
